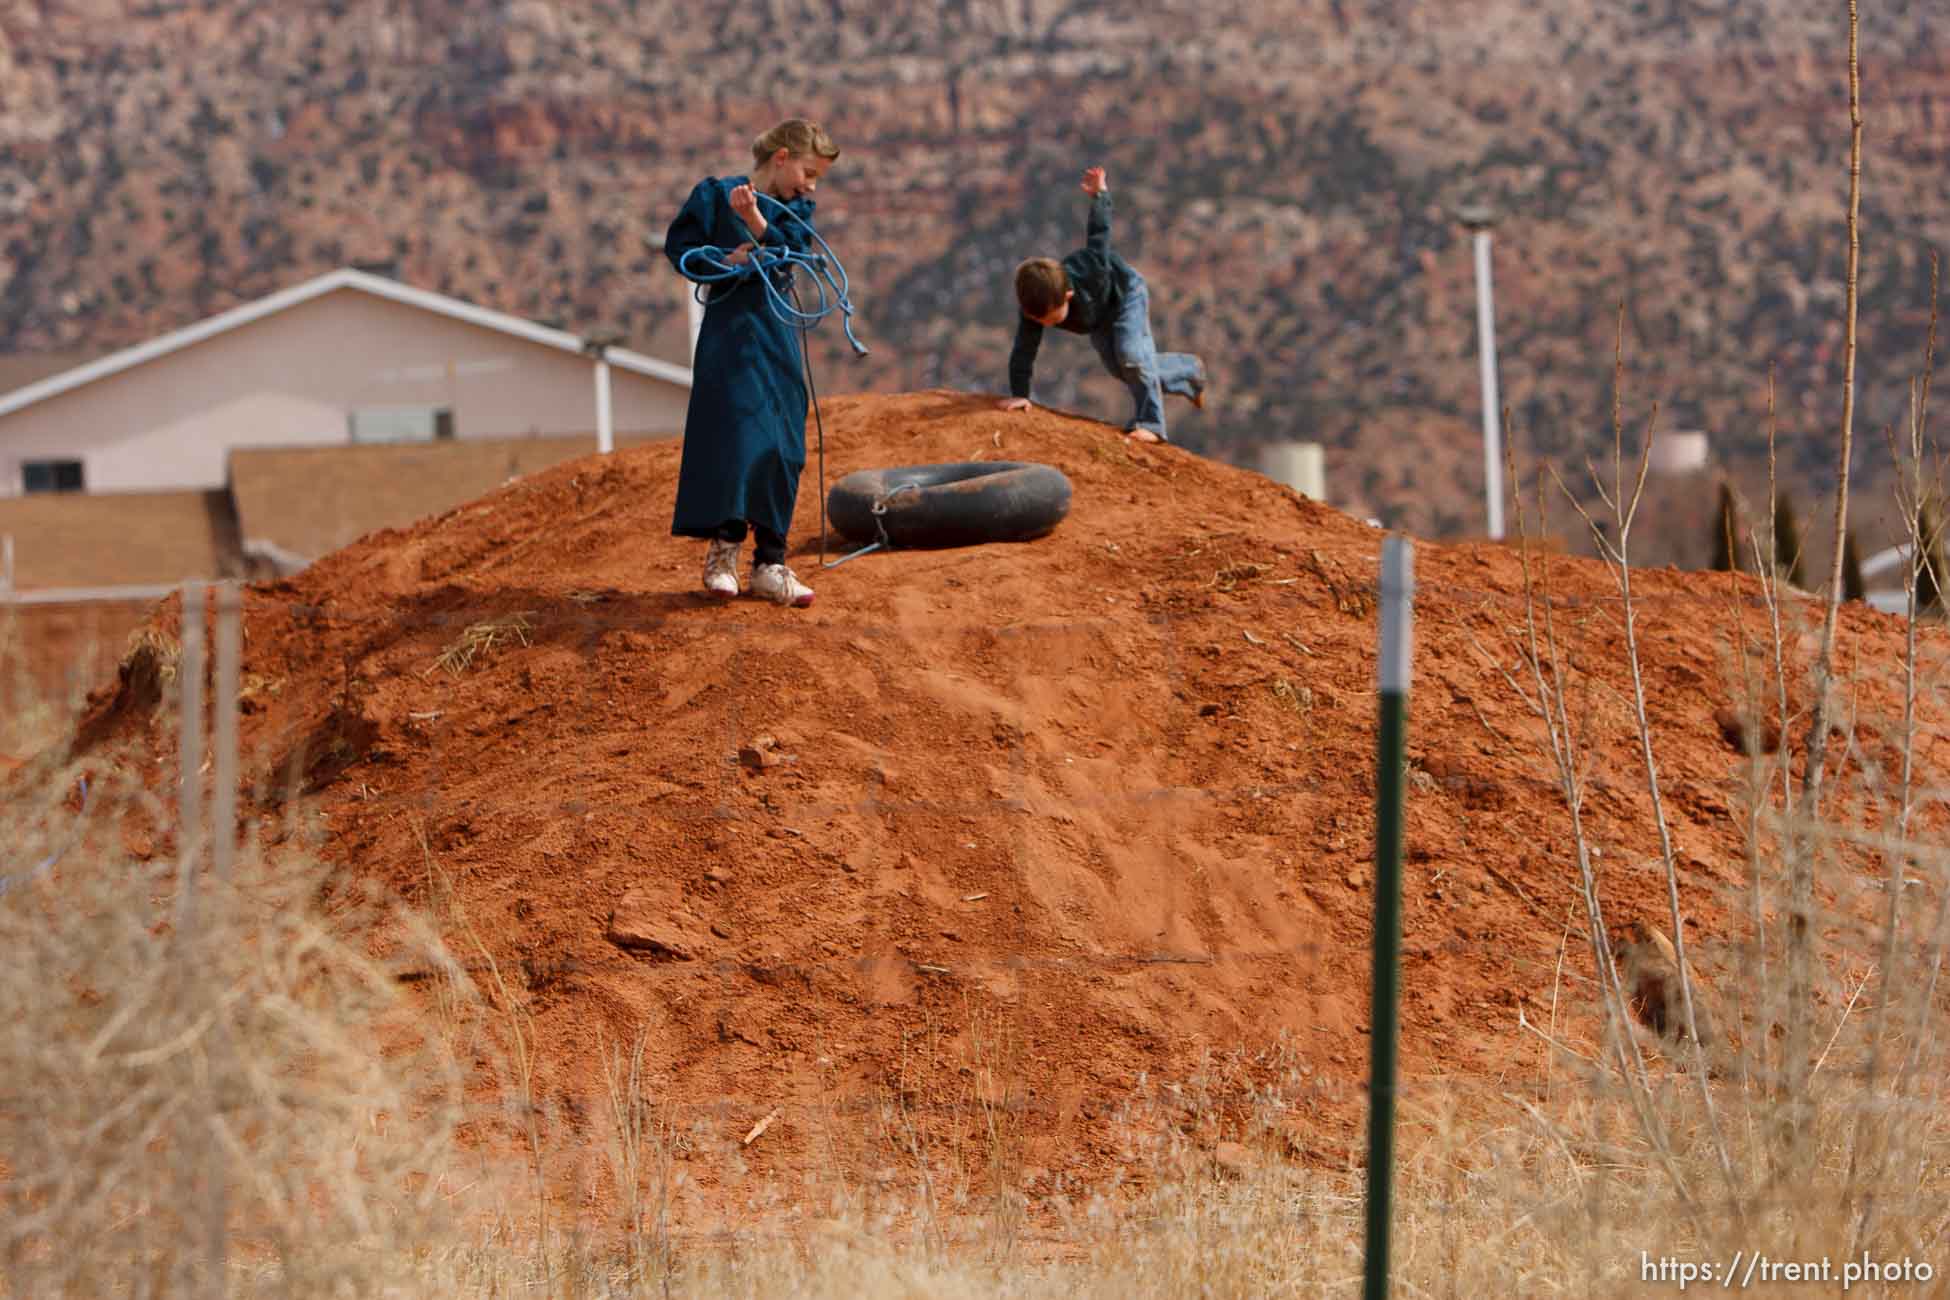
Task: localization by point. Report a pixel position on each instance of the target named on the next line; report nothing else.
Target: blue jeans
(1128, 353)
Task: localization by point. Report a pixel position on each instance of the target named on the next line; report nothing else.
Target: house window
(401, 423)
(51, 476)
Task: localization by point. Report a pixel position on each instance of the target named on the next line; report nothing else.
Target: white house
(349, 357)
(290, 426)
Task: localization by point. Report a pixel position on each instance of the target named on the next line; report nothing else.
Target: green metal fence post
(1397, 638)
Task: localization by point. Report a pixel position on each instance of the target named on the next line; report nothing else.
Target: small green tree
(1853, 586)
(1787, 543)
(1726, 532)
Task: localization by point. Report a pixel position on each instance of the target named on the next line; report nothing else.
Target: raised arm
(1096, 232)
(782, 231)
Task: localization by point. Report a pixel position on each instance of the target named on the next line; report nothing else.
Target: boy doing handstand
(1094, 291)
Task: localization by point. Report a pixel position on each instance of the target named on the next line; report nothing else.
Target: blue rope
(47, 864)
(705, 265)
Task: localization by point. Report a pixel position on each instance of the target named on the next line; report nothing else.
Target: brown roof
(111, 539)
(312, 500)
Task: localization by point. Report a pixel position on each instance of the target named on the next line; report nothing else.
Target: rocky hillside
(1283, 173)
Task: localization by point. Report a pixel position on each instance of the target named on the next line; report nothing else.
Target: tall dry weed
(249, 1104)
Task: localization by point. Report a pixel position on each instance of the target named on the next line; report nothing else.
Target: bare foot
(1142, 435)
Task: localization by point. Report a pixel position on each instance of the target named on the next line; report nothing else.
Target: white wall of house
(191, 449)
(294, 378)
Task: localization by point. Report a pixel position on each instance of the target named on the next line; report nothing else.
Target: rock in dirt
(641, 923)
(760, 754)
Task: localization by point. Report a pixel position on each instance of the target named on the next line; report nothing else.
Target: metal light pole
(597, 344)
(1479, 219)
(605, 436)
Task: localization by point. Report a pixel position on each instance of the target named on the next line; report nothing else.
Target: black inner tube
(965, 503)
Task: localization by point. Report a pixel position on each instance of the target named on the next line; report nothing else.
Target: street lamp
(1478, 219)
(597, 344)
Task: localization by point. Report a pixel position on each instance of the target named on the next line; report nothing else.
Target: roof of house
(309, 501)
(345, 278)
(114, 539)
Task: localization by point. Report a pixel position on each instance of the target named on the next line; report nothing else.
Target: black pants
(768, 549)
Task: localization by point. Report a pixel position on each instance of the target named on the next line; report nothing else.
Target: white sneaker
(776, 582)
(721, 569)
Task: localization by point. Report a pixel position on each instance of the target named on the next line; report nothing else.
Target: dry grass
(164, 649)
(1232, 576)
(1298, 700)
(481, 638)
(195, 1093)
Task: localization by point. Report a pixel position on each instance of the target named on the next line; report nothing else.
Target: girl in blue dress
(745, 430)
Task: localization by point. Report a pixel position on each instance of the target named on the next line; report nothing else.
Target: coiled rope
(707, 265)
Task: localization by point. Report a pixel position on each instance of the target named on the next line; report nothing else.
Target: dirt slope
(1048, 822)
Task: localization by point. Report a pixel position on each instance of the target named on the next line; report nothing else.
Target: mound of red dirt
(1027, 824)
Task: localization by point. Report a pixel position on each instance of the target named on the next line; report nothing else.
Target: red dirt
(1049, 820)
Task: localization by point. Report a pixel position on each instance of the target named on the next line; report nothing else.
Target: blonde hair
(1040, 286)
(798, 137)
